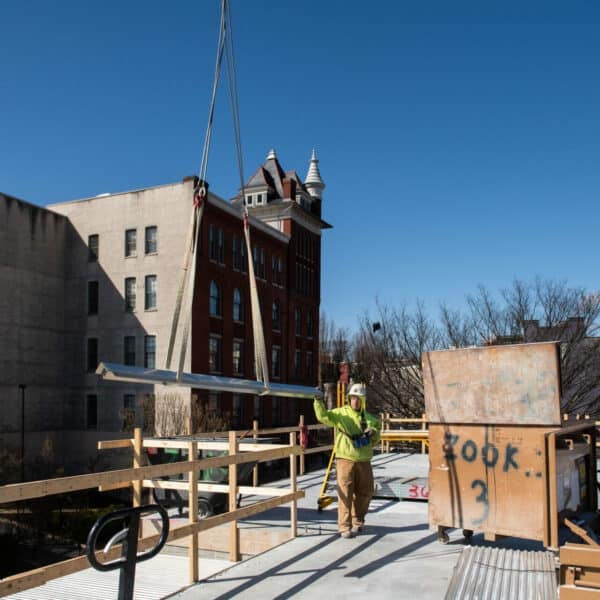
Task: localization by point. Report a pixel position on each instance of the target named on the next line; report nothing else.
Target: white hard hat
(357, 389)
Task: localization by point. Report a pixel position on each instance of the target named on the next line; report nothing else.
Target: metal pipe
(116, 372)
(22, 387)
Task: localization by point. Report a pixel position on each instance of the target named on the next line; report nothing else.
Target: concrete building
(95, 280)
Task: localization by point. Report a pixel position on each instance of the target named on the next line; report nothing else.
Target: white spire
(271, 154)
(313, 182)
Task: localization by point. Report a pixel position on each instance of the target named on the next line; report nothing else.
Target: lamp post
(22, 388)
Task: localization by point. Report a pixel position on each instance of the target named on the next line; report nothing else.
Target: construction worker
(357, 432)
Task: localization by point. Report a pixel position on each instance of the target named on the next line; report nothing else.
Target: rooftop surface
(397, 556)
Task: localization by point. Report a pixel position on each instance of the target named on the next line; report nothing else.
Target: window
(237, 257)
(214, 354)
(130, 294)
(277, 270)
(309, 364)
(150, 292)
(212, 243)
(244, 257)
(298, 363)
(259, 199)
(131, 242)
(215, 300)
(92, 297)
(214, 403)
(238, 357)
(150, 352)
(261, 267)
(257, 409)
(221, 247)
(238, 306)
(249, 200)
(151, 240)
(276, 362)
(92, 354)
(275, 411)
(309, 324)
(237, 411)
(91, 411)
(93, 247)
(298, 321)
(276, 315)
(255, 260)
(128, 412)
(129, 350)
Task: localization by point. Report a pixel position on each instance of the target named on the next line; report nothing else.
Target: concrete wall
(166, 207)
(32, 288)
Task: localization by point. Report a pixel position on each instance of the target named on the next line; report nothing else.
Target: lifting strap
(185, 288)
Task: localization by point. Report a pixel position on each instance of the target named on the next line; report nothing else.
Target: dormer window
(259, 198)
(249, 200)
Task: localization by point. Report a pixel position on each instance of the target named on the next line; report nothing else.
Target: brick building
(95, 280)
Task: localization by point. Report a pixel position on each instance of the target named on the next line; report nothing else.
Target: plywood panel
(514, 384)
(488, 478)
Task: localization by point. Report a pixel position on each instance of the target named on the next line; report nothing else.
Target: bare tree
(542, 310)
(335, 346)
(390, 354)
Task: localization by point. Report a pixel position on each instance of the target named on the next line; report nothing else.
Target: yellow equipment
(325, 500)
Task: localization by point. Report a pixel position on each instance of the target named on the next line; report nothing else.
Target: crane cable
(260, 354)
(188, 271)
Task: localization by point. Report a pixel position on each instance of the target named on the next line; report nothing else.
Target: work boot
(356, 529)
(347, 534)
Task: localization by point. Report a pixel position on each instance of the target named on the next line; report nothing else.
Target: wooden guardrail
(390, 434)
(140, 477)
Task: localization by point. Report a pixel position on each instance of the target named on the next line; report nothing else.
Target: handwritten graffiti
(489, 453)
(418, 491)
(483, 499)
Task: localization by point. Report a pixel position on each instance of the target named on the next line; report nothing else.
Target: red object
(344, 373)
(199, 198)
(304, 436)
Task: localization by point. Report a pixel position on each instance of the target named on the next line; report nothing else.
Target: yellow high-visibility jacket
(347, 422)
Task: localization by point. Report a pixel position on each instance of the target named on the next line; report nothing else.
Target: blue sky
(459, 142)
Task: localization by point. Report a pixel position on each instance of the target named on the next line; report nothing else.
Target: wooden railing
(391, 434)
(139, 477)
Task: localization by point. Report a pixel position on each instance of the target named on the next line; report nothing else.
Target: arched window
(215, 299)
(238, 306)
(276, 316)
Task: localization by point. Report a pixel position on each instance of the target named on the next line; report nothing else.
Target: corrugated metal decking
(487, 573)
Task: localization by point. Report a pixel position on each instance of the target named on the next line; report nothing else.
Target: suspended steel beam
(126, 373)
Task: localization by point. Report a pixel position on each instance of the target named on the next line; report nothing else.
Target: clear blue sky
(460, 142)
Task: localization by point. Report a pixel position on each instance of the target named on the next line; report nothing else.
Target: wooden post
(234, 534)
(387, 426)
(255, 469)
(302, 455)
(423, 428)
(294, 503)
(138, 448)
(193, 513)
(382, 417)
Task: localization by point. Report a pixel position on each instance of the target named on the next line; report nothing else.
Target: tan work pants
(355, 490)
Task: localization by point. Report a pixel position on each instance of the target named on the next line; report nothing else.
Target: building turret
(313, 182)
